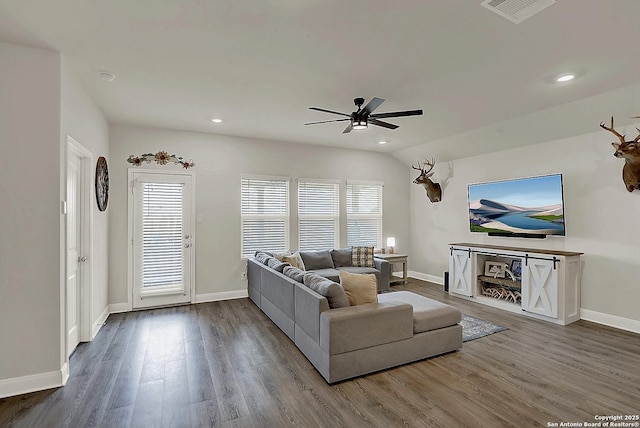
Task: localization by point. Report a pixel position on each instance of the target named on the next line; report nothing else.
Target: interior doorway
(78, 245)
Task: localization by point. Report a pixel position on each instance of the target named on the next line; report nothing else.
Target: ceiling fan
(360, 118)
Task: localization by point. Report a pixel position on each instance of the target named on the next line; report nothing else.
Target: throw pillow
(317, 259)
(362, 257)
(276, 264)
(333, 292)
(341, 257)
(359, 288)
(295, 260)
(294, 273)
(291, 260)
(262, 257)
(281, 255)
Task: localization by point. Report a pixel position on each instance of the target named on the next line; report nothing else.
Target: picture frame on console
(516, 269)
(494, 269)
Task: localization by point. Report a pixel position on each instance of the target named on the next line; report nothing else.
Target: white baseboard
(610, 320)
(585, 314)
(425, 277)
(97, 325)
(222, 295)
(116, 308)
(31, 383)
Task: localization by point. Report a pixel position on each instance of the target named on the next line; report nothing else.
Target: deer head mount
(434, 191)
(630, 152)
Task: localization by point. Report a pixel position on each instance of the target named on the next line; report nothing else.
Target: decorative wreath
(161, 158)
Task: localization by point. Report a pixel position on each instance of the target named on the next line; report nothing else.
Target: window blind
(161, 235)
(318, 215)
(264, 215)
(364, 214)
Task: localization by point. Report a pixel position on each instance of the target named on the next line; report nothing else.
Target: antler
(426, 163)
(613, 131)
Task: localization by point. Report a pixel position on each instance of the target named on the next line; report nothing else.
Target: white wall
(220, 162)
(30, 277)
(81, 119)
(601, 216)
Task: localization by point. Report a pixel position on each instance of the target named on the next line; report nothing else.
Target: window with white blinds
(318, 214)
(160, 221)
(264, 215)
(364, 214)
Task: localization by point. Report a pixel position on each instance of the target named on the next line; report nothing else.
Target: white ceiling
(259, 65)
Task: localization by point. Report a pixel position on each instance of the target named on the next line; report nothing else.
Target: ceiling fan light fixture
(359, 123)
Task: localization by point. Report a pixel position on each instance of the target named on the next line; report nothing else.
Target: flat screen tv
(531, 207)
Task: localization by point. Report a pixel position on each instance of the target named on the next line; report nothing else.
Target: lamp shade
(391, 241)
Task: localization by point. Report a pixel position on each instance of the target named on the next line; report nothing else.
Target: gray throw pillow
(317, 259)
(341, 257)
(262, 257)
(294, 273)
(276, 264)
(333, 291)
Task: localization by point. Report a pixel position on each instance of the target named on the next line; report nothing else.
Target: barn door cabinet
(546, 286)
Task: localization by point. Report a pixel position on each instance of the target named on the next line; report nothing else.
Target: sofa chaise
(343, 341)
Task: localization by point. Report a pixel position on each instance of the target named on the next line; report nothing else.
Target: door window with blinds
(162, 240)
(318, 214)
(364, 214)
(264, 214)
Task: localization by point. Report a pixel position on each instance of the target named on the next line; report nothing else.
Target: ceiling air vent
(517, 10)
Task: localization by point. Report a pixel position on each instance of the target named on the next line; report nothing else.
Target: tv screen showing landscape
(528, 206)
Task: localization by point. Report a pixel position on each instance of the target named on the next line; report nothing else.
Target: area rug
(475, 328)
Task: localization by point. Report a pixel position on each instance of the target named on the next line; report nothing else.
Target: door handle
(82, 259)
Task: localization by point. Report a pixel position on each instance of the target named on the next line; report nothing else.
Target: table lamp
(391, 242)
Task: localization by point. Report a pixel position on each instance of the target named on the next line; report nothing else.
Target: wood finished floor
(225, 364)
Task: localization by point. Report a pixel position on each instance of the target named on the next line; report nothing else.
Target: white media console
(548, 287)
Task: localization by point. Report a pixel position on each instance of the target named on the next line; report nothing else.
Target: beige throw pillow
(295, 260)
(360, 288)
(291, 260)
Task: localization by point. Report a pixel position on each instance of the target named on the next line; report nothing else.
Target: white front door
(162, 238)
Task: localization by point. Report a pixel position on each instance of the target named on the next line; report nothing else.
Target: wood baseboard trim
(36, 382)
(425, 277)
(97, 325)
(222, 295)
(610, 320)
(614, 321)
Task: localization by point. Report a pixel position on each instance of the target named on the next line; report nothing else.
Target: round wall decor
(102, 183)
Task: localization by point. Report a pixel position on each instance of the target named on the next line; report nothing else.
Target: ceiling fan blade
(373, 104)
(326, 121)
(397, 114)
(383, 124)
(348, 128)
(329, 111)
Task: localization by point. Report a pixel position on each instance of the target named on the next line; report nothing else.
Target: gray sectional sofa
(341, 341)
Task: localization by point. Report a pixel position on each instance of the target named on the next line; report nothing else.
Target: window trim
(286, 218)
(336, 217)
(378, 217)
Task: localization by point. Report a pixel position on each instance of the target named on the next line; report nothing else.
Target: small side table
(395, 258)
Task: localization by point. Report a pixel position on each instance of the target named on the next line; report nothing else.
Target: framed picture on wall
(494, 269)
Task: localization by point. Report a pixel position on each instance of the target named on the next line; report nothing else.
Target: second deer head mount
(434, 191)
(630, 151)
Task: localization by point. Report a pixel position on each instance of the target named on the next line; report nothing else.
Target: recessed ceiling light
(106, 76)
(565, 77)
(216, 120)
(382, 142)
